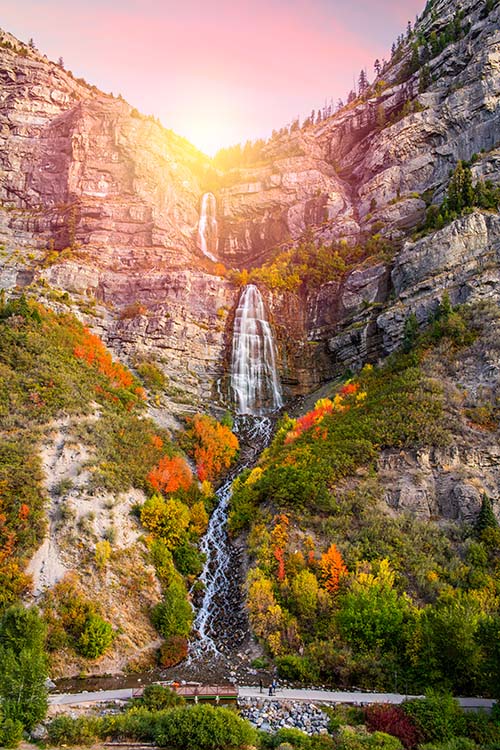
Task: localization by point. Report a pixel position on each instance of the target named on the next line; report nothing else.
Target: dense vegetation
(23, 695)
(52, 367)
(308, 264)
(461, 197)
(343, 592)
(433, 723)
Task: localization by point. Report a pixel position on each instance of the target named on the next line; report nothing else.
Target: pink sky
(216, 72)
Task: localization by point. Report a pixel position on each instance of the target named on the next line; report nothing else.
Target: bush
(64, 730)
(459, 743)
(294, 667)
(437, 717)
(203, 728)
(158, 697)
(11, 732)
(153, 378)
(188, 559)
(357, 740)
(200, 727)
(173, 616)
(394, 721)
(294, 737)
(97, 636)
(173, 651)
(481, 728)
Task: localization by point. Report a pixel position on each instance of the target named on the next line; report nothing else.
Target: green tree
(486, 518)
(305, 594)
(174, 615)
(23, 666)
(96, 638)
(410, 332)
(372, 614)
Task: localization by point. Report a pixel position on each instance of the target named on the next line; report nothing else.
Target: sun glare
(209, 134)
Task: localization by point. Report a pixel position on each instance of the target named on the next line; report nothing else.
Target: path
(311, 696)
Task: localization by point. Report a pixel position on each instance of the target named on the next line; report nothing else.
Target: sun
(209, 134)
(210, 123)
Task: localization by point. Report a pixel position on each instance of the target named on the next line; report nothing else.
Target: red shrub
(384, 717)
(173, 651)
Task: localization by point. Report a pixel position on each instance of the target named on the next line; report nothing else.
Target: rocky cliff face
(82, 170)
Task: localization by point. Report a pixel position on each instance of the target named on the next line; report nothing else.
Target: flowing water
(221, 623)
(255, 381)
(207, 226)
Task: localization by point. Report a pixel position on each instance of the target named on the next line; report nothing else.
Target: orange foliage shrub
(171, 474)
(322, 408)
(332, 568)
(173, 651)
(212, 445)
(92, 350)
(279, 541)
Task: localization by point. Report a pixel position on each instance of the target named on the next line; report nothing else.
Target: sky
(218, 72)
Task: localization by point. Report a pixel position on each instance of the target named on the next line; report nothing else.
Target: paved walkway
(311, 696)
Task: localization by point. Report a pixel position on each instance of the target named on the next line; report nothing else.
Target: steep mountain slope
(338, 222)
(84, 170)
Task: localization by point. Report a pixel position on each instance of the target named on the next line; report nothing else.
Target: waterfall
(207, 226)
(254, 376)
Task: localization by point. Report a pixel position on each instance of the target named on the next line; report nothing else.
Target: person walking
(261, 685)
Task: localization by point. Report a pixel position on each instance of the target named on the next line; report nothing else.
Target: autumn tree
(332, 568)
(279, 541)
(199, 518)
(166, 519)
(212, 445)
(170, 475)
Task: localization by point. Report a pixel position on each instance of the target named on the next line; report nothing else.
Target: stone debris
(270, 716)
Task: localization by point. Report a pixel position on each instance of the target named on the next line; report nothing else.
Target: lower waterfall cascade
(255, 382)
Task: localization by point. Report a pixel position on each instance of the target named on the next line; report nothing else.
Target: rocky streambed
(269, 715)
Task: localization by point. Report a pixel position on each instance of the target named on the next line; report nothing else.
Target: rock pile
(270, 716)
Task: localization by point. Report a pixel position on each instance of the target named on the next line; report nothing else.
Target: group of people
(272, 687)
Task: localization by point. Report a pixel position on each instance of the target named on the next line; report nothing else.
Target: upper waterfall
(207, 226)
(254, 376)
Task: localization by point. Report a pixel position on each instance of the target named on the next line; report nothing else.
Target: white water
(219, 621)
(207, 226)
(218, 573)
(254, 376)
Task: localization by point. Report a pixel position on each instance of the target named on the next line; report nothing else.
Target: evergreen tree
(351, 97)
(486, 518)
(468, 189)
(425, 79)
(408, 30)
(23, 672)
(377, 67)
(60, 62)
(410, 332)
(31, 44)
(362, 82)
